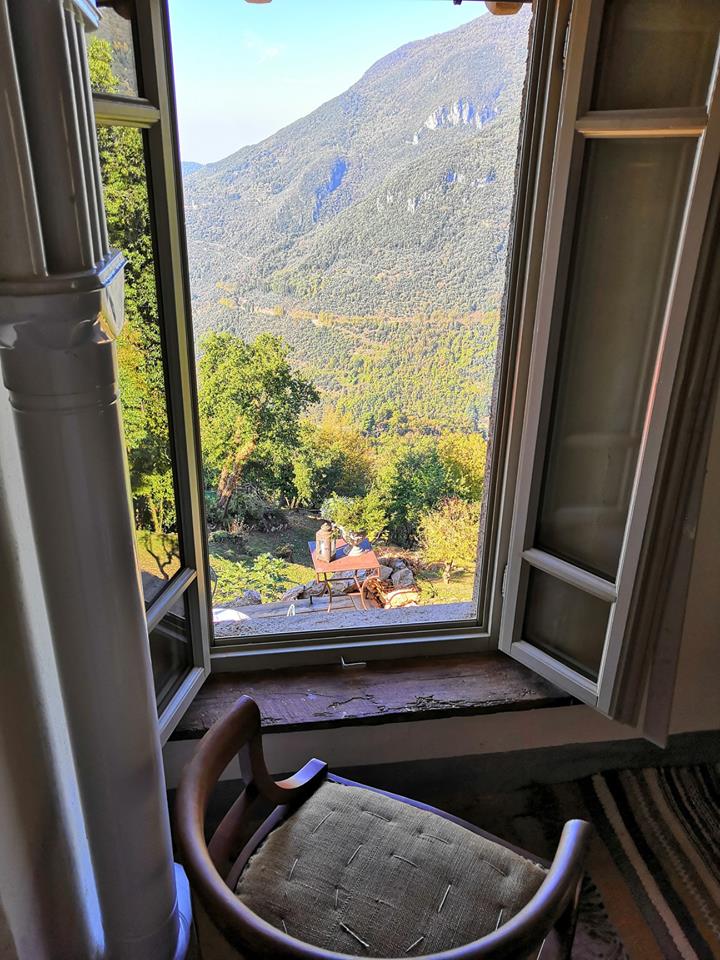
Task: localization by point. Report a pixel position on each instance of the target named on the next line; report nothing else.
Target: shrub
(449, 534)
(266, 574)
(333, 457)
(464, 456)
(358, 514)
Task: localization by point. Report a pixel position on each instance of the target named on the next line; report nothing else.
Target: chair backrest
(212, 868)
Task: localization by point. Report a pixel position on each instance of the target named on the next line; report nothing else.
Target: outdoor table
(345, 563)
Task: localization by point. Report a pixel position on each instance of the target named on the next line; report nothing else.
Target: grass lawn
(435, 590)
(303, 527)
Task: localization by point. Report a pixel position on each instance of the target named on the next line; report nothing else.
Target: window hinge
(504, 581)
(566, 43)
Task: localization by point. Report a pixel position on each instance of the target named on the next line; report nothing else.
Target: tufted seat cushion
(356, 872)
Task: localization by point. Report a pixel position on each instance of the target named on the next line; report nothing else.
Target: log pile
(387, 595)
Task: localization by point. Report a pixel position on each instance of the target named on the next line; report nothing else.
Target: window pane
(170, 652)
(347, 250)
(111, 52)
(140, 359)
(629, 215)
(565, 622)
(655, 53)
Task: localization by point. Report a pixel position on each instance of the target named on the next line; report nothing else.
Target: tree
(334, 457)
(464, 456)
(250, 403)
(411, 480)
(449, 534)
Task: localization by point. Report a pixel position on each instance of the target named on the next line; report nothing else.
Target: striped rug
(653, 887)
(661, 829)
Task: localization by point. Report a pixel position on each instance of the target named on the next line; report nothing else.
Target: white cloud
(260, 48)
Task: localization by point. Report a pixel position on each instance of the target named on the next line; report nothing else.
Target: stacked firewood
(387, 595)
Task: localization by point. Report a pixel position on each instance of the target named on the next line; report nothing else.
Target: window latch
(347, 664)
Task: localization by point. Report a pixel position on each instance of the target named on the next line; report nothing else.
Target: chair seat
(358, 872)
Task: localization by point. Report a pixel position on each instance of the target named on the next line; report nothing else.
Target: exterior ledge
(383, 691)
(269, 619)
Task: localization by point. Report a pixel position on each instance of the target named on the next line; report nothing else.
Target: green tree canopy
(411, 479)
(250, 403)
(334, 457)
(464, 456)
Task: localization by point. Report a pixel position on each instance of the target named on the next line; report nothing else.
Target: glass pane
(629, 215)
(565, 622)
(140, 359)
(655, 53)
(111, 53)
(170, 652)
(347, 249)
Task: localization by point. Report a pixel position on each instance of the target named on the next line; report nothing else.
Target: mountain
(389, 204)
(189, 166)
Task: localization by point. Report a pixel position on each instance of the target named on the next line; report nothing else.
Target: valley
(372, 234)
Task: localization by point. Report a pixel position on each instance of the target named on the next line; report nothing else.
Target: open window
(635, 160)
(607, 186)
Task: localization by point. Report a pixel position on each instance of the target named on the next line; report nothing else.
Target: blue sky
(244, 70)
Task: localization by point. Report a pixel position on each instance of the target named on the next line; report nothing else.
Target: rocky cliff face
(392, 198)
(461, 113)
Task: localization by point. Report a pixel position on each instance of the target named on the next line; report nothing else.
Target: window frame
(480, 634)
(579, 124)
(154, 115)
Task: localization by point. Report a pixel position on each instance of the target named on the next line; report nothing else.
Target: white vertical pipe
(86, 132)
(21, 247)
(43, 65)
(47, 887)
(60, 369)
(59, 364)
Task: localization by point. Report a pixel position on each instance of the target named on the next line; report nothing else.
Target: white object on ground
(224, 615)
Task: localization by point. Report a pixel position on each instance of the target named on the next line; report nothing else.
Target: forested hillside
(372, 234)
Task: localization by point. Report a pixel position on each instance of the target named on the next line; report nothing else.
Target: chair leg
(567, 924)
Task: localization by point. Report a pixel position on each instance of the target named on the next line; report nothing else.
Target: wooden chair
(315, 815)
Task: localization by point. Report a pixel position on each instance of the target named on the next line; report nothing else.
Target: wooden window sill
(383, 691)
